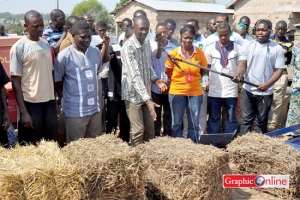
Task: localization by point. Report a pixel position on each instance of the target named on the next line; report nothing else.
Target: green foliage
(14, 22)
(15, 28)
(121, 3)
(94, 8)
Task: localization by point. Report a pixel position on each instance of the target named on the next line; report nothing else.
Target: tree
(121, 3)
(94, 8)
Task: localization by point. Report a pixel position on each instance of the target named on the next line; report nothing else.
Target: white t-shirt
(221, 86)
(32, 61)
(121, 37)
(103, 72)
(261, 59)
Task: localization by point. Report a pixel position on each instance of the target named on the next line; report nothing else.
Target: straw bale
(259, 154)
(38, 173)
(110, 168)
(178, 169)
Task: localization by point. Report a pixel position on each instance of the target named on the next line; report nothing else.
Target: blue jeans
(192, 106)
(215, 107)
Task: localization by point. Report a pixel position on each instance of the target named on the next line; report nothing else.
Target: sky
(45, 6)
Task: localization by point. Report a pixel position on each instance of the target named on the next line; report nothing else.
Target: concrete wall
(273, 10)
(159, 16)
(128, 10)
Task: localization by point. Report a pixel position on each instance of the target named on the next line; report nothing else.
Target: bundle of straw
(111, 170)
(178, 169)
(259, 154)
(38, 172)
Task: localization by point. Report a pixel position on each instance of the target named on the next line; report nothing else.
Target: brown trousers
(141, 123)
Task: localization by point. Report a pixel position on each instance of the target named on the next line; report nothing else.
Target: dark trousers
(116, 113)
(105, 99)
(215, 107)
(254, 107)
(44, 120)
(3, 136)
(163, 101)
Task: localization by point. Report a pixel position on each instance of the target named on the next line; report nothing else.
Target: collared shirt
(235, 37)
(137, 73)
(68, 41)
(247, 40)
(199, 41)
(97, 42)
(159, 66)
(261, 59)
(286, 45)
(32, 61)
(170, 45)
(220, 86)
(185, 79)
(52, 36)
(78, 71)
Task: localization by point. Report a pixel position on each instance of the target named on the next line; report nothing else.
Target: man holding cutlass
(262, 63)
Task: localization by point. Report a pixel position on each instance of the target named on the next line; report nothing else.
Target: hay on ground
(38, 172)
(110, 168)
(260, 154)
(178, 169)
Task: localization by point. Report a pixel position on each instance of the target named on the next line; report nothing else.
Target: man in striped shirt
(54, 34)
(137, 76)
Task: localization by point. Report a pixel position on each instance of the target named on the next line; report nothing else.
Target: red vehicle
(6, 43)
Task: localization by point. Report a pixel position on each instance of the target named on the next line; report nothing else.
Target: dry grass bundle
(38, 172)
(260, 154)
(110, 168)
(178, 169)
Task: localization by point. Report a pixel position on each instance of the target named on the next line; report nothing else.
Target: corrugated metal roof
(175, 6)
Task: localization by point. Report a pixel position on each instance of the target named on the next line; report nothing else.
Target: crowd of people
(69, 80)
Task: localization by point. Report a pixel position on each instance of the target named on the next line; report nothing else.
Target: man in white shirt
(262, 63)
(220, 19)
(126, 24)
(31, 67)
(222, 56)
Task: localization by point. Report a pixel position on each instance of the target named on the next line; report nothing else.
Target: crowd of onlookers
(70, 81)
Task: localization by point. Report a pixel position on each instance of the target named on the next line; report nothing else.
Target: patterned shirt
(137, 73)
(78, 71)
(296, 68)
(52, 36)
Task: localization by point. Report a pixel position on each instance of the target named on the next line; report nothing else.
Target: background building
(275, 10)
(158, 11)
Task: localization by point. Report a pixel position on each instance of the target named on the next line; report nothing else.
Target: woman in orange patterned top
(185, 87)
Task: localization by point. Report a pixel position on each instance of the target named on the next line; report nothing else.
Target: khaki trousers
(141, 123)
(278, 111)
